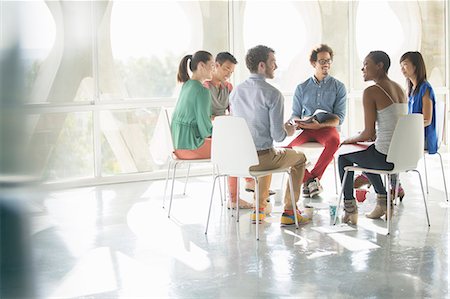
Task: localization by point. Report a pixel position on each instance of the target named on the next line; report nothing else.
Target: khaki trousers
(280, 158)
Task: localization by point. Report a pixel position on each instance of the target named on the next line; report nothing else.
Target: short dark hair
(318, 49)
(256, 55)
(380, 56)
(225, 56)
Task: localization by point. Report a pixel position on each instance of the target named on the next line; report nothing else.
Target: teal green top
(191, 120)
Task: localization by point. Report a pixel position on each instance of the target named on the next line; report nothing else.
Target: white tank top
(386, 121)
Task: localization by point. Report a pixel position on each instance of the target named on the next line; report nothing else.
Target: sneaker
(305, 191)
(314, 187)
(261, 216)
(267, 209)
(287, 219)
(360, 181)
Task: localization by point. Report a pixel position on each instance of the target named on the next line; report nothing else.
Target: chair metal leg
(294, 204)
(225, 188)
(167, 180)
(388, 203)
(220, 185)
(173, 184)
(187, 177)
(443, 176)
(426, 173)
(237, 200)
(228, 198)
(397, 184)
(257, 207)
(340, 197)
(210, 204)
(335, 176)
(220, 188)
(282, 181)
(423, 195)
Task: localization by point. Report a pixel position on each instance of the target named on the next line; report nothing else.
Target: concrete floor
(116, 241)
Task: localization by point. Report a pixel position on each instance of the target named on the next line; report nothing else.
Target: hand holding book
(319, 116)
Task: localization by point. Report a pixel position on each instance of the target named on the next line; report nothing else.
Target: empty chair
(440, 122)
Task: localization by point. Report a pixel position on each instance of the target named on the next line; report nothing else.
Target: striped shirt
(262, 106)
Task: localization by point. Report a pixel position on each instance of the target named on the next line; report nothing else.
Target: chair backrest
(232, 146)
(161, 144)
(440, 121)
(407, 142)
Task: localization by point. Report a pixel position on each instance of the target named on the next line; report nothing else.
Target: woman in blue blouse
(421, 96)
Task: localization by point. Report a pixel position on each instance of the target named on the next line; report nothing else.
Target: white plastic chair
(440, 121)
(174, 161)
(233, 151)
(405, 151)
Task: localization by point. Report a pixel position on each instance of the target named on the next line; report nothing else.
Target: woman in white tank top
(383, 104)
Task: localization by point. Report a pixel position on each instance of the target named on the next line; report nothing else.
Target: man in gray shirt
(262, 106)
(219, 86)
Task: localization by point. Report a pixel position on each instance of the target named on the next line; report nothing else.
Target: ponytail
(199, 56)
(183, 74)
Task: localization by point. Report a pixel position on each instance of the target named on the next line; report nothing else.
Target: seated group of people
(207, 93)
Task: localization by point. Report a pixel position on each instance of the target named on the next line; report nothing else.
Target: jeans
(368, 158)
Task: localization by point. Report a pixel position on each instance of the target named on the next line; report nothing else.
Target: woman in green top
(191, 121)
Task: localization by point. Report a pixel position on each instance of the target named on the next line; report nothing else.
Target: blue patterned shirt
(262, 106)
(329, 95)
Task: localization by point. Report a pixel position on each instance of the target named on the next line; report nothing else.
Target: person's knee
(333, 141)
(342, 161)
(301, 160)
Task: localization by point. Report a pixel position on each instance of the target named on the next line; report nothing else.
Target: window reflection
(148, 39)
(281, 26)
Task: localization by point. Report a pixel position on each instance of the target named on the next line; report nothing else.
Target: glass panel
(126, 137)
(33, 27)
(57, 63)
(148, 40)
(295, 28)
(61, 145)
(401, 30)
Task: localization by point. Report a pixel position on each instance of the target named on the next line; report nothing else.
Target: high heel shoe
(360, 181)
(380, 209)
(400, 194)
(351, 212)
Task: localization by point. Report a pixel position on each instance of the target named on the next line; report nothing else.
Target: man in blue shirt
(262, 106)
(320, 92)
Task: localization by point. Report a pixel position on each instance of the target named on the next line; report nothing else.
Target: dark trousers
(368, 158)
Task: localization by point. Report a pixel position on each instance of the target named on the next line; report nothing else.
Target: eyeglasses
(324, 61)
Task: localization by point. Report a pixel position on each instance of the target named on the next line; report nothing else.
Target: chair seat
(260, 173)
(309, 145)
(176, 159)
(356, 168)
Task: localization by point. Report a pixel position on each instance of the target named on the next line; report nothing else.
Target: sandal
(242, 205)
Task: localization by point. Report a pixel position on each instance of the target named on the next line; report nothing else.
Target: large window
(148, 39)
(406, 26)
(96, 73)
